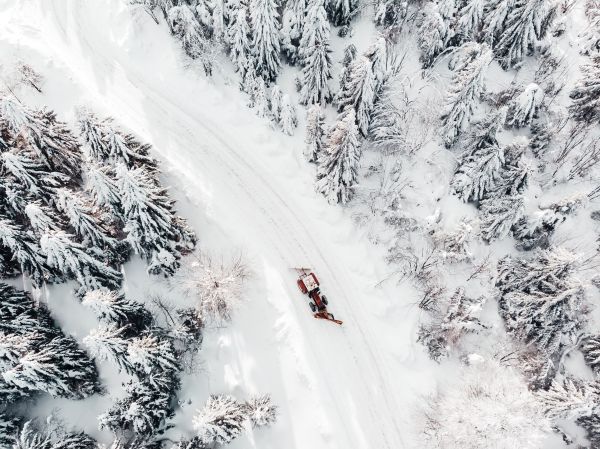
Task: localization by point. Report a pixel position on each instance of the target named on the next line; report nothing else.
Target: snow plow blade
(327, 316)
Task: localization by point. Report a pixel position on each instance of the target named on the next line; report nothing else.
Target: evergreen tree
(101, 185)
(541, 302)
(591, 34)
(479, 173)
(465, 89)
(42, 218)
(483, 133)
(221, 420)
(358, 92)
(470, 20)
(71, 260)
(386, 125)
(261, 100)
(153, 230)
(590, 347)
(21, 250)
(525, 23)
(389, 13)
(194, 40)
(315, 133)
(288, 119)
(499, 215)
(314, 56)
(265, 33)
(292, 30)
(341, 12)
(586, 93)
(434, 33)
(9, 427)
(338, 165)
(275, 103)
(240, 38)
(112, 307)
(110, 343)
(48, 139)
(58, 367)
(524, 108)
(149, 354)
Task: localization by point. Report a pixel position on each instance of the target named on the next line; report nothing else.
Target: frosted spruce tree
(341, 12)
(112, 308)
(288, 119)
(49, 139)
(265, 34)
(153, 229)
(541, 301)
(292, 30)
(314, 56)
(465, 89)
(585, 95)
(358, 92)
(338, 164)
(470, 20)
(221, 420)
(22, 253)
(524, 108)
(240, 38)
(515, 28)
(315, 133)
(43, 218)
(478, 173)
(109, 343)
(389, 13)
(101, 186)
(70, 259)
(499, 215)
(275, 103)
(435, 33)
(261, 411)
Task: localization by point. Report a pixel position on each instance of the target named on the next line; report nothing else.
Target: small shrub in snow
(261, 411)
(216, 285)
(524, 108)
(221, 420)
(315, 133)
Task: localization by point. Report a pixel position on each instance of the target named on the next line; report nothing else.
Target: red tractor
(309, 285)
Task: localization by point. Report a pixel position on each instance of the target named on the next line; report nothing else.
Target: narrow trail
(199, 144)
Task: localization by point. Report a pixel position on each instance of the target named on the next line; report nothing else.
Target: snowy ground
(243, 187)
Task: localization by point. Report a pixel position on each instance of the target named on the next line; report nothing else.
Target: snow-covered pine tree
(145, 409)
(31, 174)
(22, 253)
(288, 119)
(386, 125)
(315, 133)
(112, 307)
(71, 260)
(42, 218)
(275, 102)
(94, 226)
(389, 13)
(478, 173)
(9, 427)
(499, 215)
(240, 38)
(48, 138)
(585, 96)
(195, 41)
(292, 30)
(470, 20)
(358, 92)
(101, 186)
(57, 367)
(261, 411)
(261, 98)
(523, 24)
(524, 108)
(221, 420)
(153, 230)
(341, 12)
(535, 230)
(105, 143)
(108, 342)
(314, 56)
(150, 354)
(249, 83)
(434, 33)
(454, 246)
(466, 87)
(265, 38)
(590, 348)
(338, 164)
(541, 302)
(461, 317)
(591, 34)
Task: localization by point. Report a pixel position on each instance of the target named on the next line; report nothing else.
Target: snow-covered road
(346, 387)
